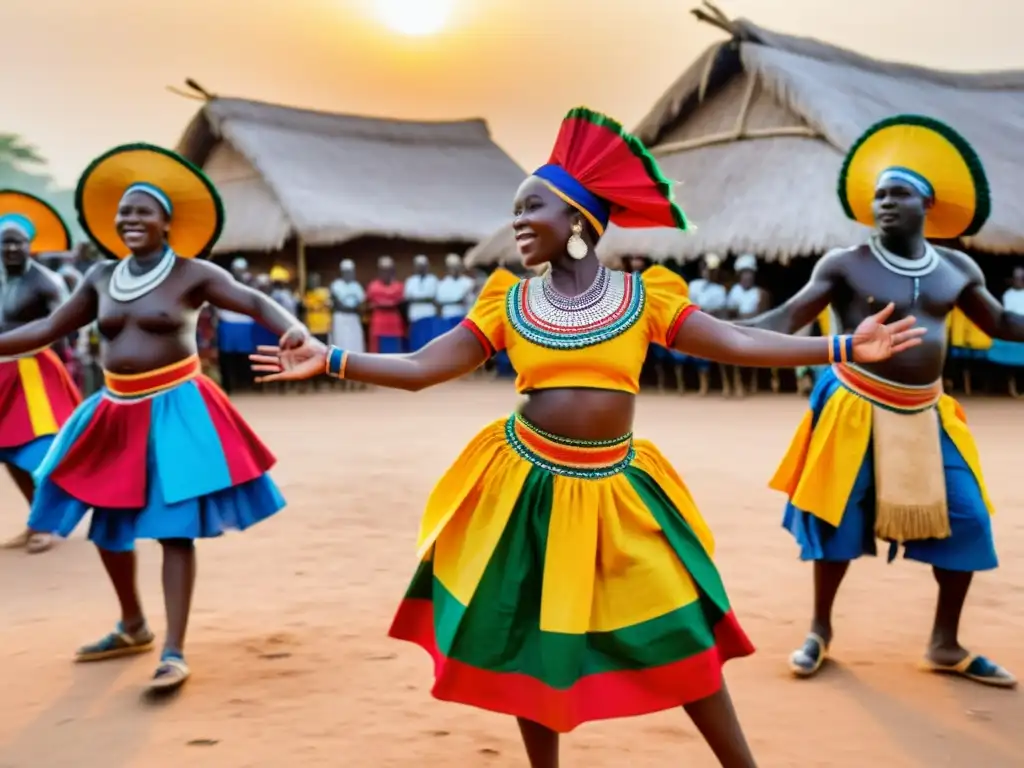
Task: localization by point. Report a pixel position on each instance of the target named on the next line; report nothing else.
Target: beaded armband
(336, 360)
(840, 349)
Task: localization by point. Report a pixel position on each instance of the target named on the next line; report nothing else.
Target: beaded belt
(131, 386)
(892, 396)
(587, 459)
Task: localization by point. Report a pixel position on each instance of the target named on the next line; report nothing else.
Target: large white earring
(576, 247)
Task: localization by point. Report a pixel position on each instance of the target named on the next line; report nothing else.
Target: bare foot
(18, 542)
(39, 543)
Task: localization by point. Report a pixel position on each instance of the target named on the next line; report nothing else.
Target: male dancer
(36, 393)
(883, 453)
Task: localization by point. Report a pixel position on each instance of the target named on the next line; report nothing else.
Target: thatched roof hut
(293, 179)
(756, 130)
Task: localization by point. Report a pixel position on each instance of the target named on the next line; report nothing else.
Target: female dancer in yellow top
(565, 572)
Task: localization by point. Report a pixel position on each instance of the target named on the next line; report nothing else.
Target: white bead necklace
(125, 286)
(913, 268)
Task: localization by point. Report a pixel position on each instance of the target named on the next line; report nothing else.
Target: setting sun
(415, 17)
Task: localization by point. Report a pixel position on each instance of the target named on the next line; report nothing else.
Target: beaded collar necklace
(900, 265)
(547, 318)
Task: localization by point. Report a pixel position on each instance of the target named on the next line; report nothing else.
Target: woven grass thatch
(331, 178)
(756, 130)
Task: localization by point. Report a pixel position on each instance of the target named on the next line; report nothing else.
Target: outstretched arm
(447, 357)
(78, 311)
(704, 336)
(981, 307)
(222, 290)
(803, 308)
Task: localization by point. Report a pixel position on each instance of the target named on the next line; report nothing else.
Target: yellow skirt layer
(564, 582)
(825, 456)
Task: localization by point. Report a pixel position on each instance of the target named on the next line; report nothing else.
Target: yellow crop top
(552, 342)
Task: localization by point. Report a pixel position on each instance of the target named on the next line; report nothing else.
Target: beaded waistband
(137, 385)
(904, 398)
(588, 459)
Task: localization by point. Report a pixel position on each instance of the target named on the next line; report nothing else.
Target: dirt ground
(288, 646)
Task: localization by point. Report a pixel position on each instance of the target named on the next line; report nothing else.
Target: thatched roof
(756, 130)
(330, 178)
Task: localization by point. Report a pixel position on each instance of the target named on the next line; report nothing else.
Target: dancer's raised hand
(876, 340)
(278, 364)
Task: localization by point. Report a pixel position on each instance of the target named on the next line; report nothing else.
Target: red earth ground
(288, 646)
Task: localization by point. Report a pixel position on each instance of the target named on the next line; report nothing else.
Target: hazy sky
(79, 76)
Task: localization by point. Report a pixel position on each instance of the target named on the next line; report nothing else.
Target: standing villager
(708, 293)
(744, 301)
(565, 573)
(347, 299)
(316, 305)
(37, 395)
(159, 453)
(1010, 354)
(421, 303)
(453, 292)
(385, 296)
(883, 453)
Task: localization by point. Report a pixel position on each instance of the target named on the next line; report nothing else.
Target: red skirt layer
(36, 397)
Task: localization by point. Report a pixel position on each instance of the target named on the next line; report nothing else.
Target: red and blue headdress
(608, 175)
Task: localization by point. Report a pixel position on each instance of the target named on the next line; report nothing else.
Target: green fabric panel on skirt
(500, 629)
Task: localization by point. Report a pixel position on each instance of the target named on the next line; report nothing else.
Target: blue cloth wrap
(969, 548)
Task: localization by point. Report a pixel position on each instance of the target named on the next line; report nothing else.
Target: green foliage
(15, 153)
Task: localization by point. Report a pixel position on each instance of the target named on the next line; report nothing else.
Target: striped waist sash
(22, 356)
(902, 398)
(134, 386)
(587, 459)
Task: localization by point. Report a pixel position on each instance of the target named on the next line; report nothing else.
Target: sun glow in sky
(79, 77)
(414, 17)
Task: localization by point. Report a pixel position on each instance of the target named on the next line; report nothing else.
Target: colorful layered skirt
(830, 473)
(37, 396)
(564, 582)
(157, 455)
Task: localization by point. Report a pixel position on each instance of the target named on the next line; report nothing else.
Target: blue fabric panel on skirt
(29, 456)
(189, 456)
(206, 517)
(969, 548)
(69, 433)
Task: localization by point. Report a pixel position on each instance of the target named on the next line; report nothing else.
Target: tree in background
(23, 167)
(14, 151)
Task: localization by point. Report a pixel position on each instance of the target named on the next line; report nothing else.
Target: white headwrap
(746, 262)
(153, 191)
(18, 223)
